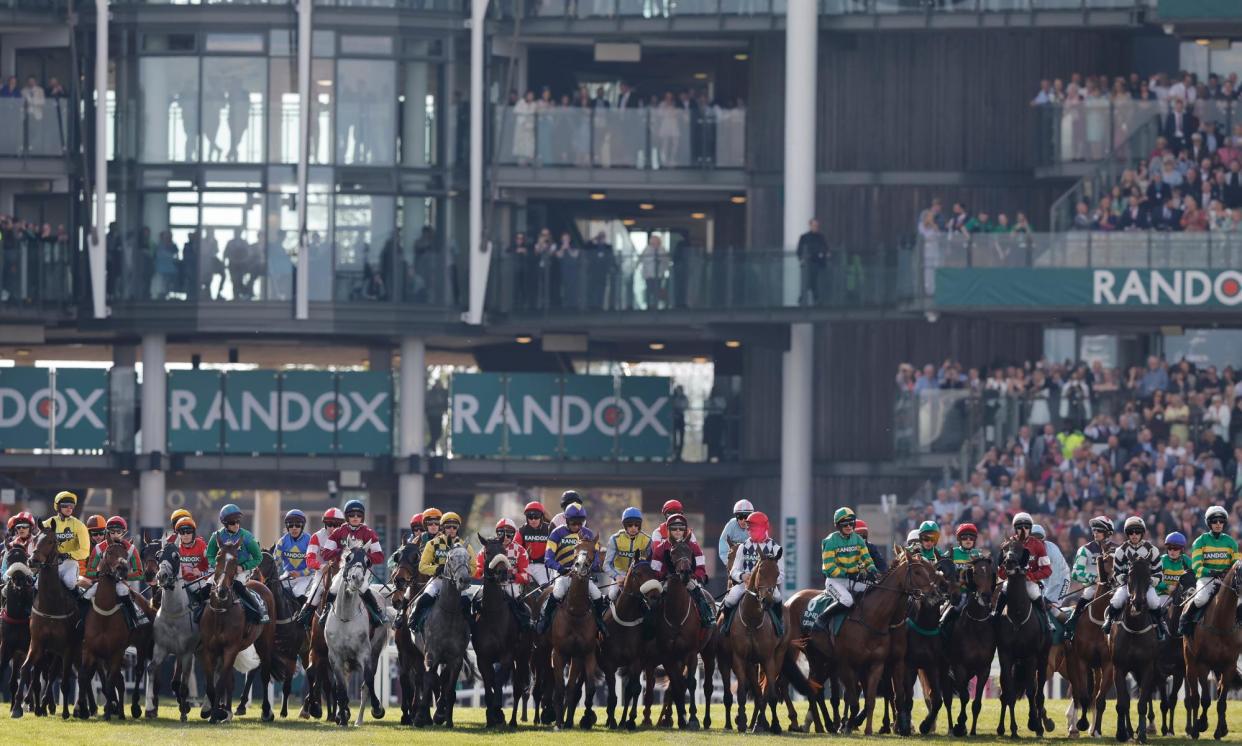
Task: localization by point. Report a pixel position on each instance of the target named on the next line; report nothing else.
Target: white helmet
(1216, 511)
(912, 536)
(1135, 522)
(1038, 530)
(1022, 519)
(743, 506)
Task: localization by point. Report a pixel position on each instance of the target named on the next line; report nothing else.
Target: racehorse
(1213, 648)
(1023, 641)
(318, 671)
(53, 634)
(1134, 652)
(758, 651)
(106, 633)
(19, 593)
(972, 644)
(1170, 663)
(444, 638)
(1088, 660)
(625, 650)
(226, 632)
(353, 646)
(410, 668)
(572, 639)
(925, 651)
(678, 629)
(501, 646)
(290, 642)
(174, 632)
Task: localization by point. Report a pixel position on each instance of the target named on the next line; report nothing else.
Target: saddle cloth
(816, 607)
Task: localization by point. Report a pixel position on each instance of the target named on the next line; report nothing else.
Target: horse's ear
(899, 552)
(480, 535)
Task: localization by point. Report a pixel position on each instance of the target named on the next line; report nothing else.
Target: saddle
(816, 607)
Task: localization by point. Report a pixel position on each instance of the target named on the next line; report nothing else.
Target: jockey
(735, 531)
(72, 538)
(117, 528)
(97, 530)
(670, 508)
(912, 541)
(964, 554)
(432, 563)
(533, 537)
(568, 497)
(248, 557)
(332, 519)
(191, 550)
(416, 533)
(177, 515)
(518, 562)
(1039, 566)
(290, 552)
(846, 562)
(20, 526)
(744, 561)
(1211, 556)
(431, 529)
(357, 531)
(1058, 581)
(1173, 565)
(678, 530)
(624, 548)
(1136, 549)
(562, 543)
(860, 528)
(1086, 569)
(928, 539)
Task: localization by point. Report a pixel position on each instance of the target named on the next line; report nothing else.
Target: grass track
(469, 732)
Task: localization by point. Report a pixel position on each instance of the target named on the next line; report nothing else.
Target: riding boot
(1072, 621)
(727, 624)
(821, 621)
(549, 610)
(422, 605)
(133, 617)
(706, 619)
(305, 615)
(1162, 627)
(599, 606)
(521, 611)
(1109, 617)
(373, 608)
(1186, 624)
(256, 610)
(328, 598)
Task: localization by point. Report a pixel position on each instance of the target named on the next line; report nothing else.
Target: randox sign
(53, 408)
(542, 415)
(1066, 288)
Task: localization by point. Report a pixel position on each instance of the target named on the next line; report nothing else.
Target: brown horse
(291, 642)
(54, 635)
(678, 631)
(972, 644)
(925, 653)
(1170, 663)
(19, 593)
(1022, 641)
(626, 650)
(410, 663)
(1088, 657)
(1134, 652)
(226, 632)
(573, 640)
(501, 644)
(758, 651)
(319, 671)
(107, 634)
(1213, 649)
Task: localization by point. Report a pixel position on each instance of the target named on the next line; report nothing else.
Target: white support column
(412, 380)
(154, 413)
(479, 253)
(801, 42)
(301, 310)
(96, 240)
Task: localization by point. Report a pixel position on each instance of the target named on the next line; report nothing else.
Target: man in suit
(1169, 218)
(1135, 218)
(1158, 191)
(1179, 124)
(1232, 191)
(628, 98)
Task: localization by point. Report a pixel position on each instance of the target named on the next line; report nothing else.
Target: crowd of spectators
(34, 261)
(1066, 442)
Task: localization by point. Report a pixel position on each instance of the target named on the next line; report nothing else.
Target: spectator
(813, 256)
(1194, 220)
(11, 88)
(653, 262)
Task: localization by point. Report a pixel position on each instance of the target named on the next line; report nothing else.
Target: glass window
(169, 43)
(1219, 347)
(1059, 344)
(323, 43)
(234, 43)
(420, 108)
(319, 236)
(282, 222)
(234, 90)
(280, 42)
(284, 116)
(169, 220)
(369, 45)
(424, 266)
(168, 95)
(366, 112)
(232, 261)
(364, 238)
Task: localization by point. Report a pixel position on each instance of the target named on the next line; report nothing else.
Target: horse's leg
(873, 683)
(1145, 684)
(726, 669)
(590, 669)
(265, 681)
(1222, 700)
(1123, 702)
(742, 676)
(692, 688)
(1103, 683)
(574, 689)
(247, 686)
(558, 688)
(648, 694)
(771, 674)
(140, 665)
(152, 682)
(709, 687)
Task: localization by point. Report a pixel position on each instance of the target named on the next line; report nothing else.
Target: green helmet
(842, 515)
(929, 527)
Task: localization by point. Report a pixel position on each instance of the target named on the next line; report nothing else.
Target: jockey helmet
(1175, 539)
(1216, 511)
(569, 497)
(65, 497)
(631, 514)
(1135, 523)
(416, 521)
(117, 521)
(913, 536)
(295, 516)
(96, 523)
(757, 524)
(19, 520)
(743, 507)
(186, 522)
(1038, 530)
(575, 512)
(431, 514)
(860, 526)
(843, 515)
(1022, 520)
(1102, 523)
(757, 519)
(505, 523)
(177, 515)
(534, 506)
(672, 506)
(929, 528)
(355, 506)
(450, 519)
(677, 519)
(229, 511)
(967, 529)
(333, 514)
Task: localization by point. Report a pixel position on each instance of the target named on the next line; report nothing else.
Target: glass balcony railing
(649, 138)
(1097, 129)
(36, 273)
(1084, 249)
(743, 8)
(34, 129)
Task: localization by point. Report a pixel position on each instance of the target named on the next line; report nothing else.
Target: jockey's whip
(377, 578)
(539, 589)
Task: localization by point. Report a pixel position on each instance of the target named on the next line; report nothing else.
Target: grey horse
(175, 633)
(353, 647)
(444, 640)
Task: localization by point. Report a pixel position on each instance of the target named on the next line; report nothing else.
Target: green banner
(364, 423)
(1090, 288)
(1171, 10)
(82, 408)
(648, 436)
(45, 408)
(478, 406)
(251, 412)
(25, 408)
(195, 416)
(533, 403)
(308, 412)
(590, 417)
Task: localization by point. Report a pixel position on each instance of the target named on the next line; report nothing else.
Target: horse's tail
(798, 680)
(470, 667)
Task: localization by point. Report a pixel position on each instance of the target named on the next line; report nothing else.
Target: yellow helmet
(452, 518)
(65, 497)
(178, 514)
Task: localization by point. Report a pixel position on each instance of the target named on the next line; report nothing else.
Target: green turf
(168, 730)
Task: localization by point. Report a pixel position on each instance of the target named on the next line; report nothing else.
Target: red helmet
(966, 529)
(757, 519)
(21, 518)
(117, 521)
(534, 506)
(672, 506)
(506, 523)
(416, 521)
(677, 519)
(757, 526)
(333, 514)
(860, 525)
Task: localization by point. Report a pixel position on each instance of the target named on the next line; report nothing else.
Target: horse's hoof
(631, 726)
(204, 713)
(377, 713)
(588, 720)
(1220, 732)
(405, 719)
(1049, 726)
(774, 728)
(1121, 736)
(135, 711)
(692, 724)
(924, 728)
(267, 717)
(959, 731)
(16, 713)
(240, 711)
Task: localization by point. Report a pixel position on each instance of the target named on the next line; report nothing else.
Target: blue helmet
(575, 512)
(295, 516)
(1175, 539)
(631, 514)
(355, 506)
(229, 510)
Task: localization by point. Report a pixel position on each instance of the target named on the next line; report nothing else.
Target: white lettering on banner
(1190, 287)
(1102, 288)
(649, 415)
(287, 400)
(250, 406)
(82, 408)
(1133, 288)
(68, 409)
(19, 407)
(502, 414)
(182, 414)
(368, 411)
(532, 411)
(569, 406)
(220, 406)
(465, 409)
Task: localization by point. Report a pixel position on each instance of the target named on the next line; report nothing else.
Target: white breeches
(317, 588)
(734, 596)
(1204, 588)
(613, 591)
(432, 589)
(1122, 594)
(122, 589)
(842, 589)
(299, 586)
(1088, 592)
(538, 573)
(68, 571)
(561, 586)
(1032, 589)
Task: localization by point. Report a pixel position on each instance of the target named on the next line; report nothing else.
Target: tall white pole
(412, 380)
(154, 414)
(301, 308)
(96, 247)
(801, 42)
(478, 252)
